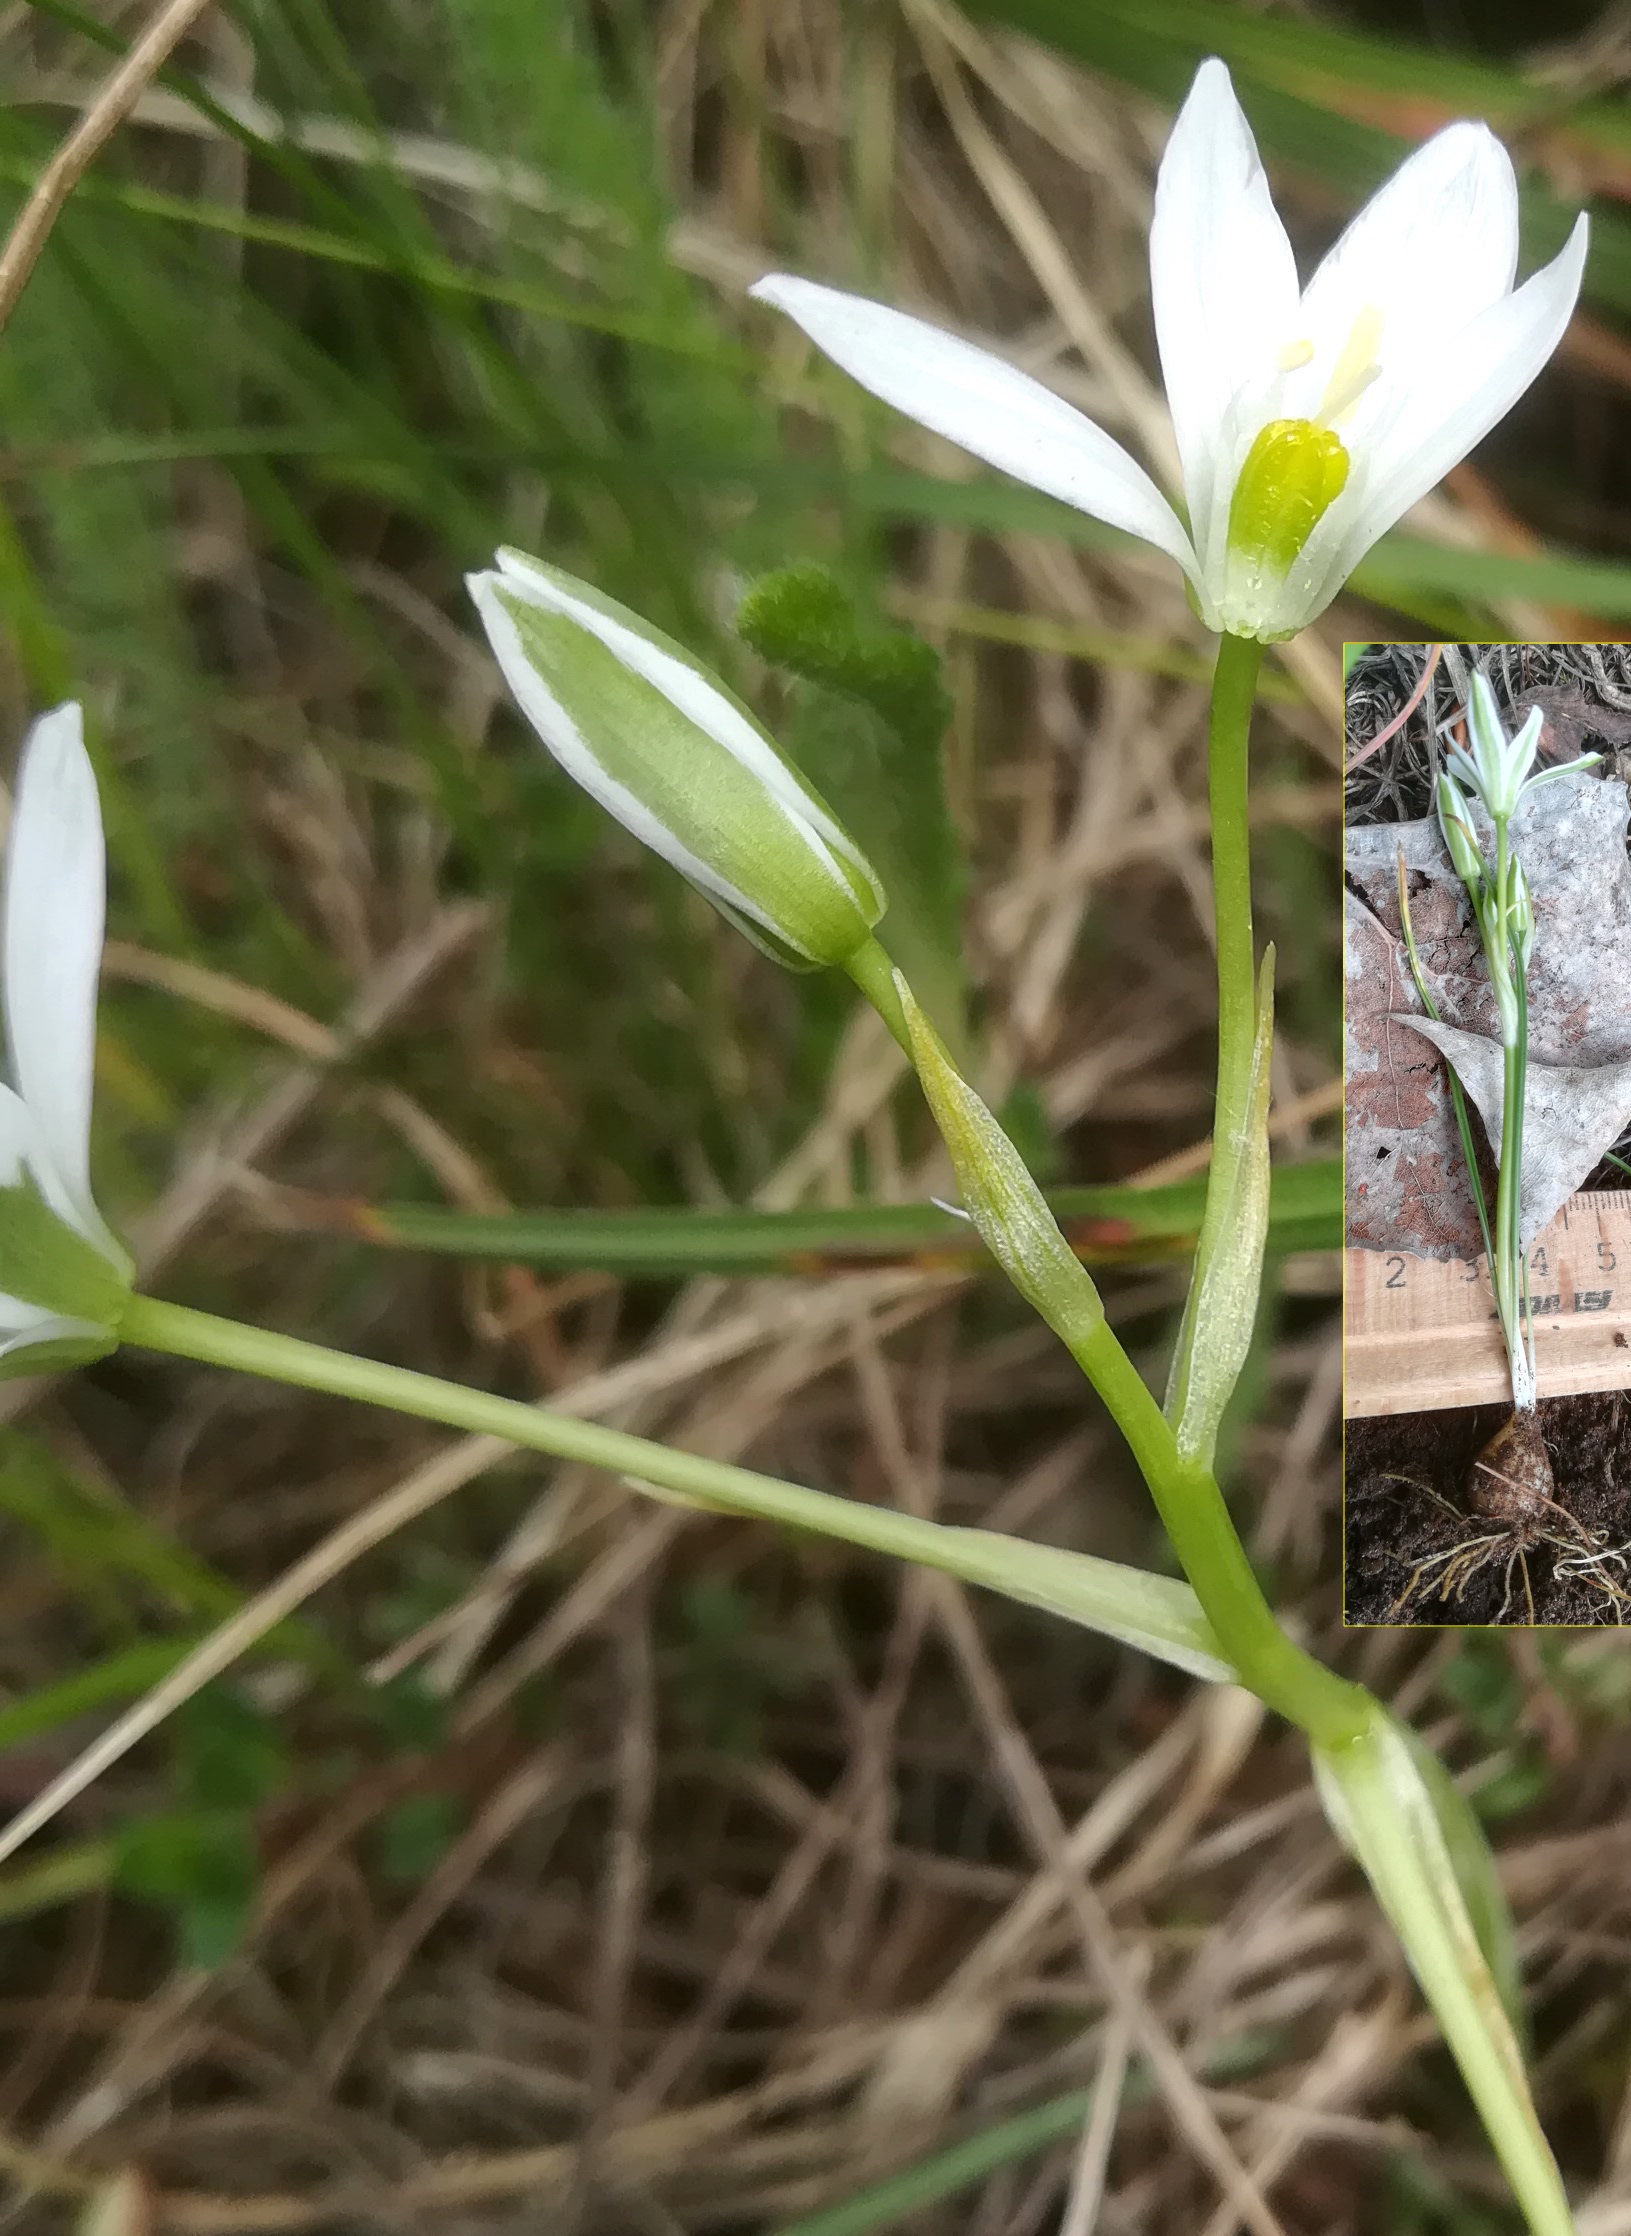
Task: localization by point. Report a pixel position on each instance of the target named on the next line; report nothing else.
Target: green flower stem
(1196, 1519)
(874, 973)
(1227, 1279)
(1156, 1613)
(1186, 1494)
(1515, 1265)
(1511, 1145)
(1234, 685)
(1516, 1095)
(1011, 1214)
(1507, 1267)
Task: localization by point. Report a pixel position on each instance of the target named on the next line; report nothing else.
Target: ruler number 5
(1605, 1258)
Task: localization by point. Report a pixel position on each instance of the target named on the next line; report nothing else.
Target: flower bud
(680, 762)
(1521, 916)
(1459, 838)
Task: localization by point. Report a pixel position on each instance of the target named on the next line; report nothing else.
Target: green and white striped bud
(680, 762)
(1460, 840)
(1521, 915)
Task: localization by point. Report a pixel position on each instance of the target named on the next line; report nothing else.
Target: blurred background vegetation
(567, 1863)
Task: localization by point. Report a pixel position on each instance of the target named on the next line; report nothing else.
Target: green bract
(1002, 1199)
(49, 1266)
(680, 762)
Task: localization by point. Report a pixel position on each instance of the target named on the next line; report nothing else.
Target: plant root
(1512, 1513)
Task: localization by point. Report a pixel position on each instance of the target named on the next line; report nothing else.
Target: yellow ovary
(1293, 472)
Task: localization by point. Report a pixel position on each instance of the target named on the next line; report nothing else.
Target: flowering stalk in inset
(1497, 772)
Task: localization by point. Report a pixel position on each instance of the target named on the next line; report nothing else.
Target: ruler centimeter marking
(1420, 1334)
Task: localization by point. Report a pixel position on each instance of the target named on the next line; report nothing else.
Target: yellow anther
(1355, 368)
(1295, 356)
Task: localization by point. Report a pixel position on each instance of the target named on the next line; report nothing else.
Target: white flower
(1307, 420)
(680, 763)
(62, 1271)
(1495, 767)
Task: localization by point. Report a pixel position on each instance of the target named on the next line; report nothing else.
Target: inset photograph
(1487, 1274)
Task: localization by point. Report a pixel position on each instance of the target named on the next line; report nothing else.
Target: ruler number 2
(1395, 1274)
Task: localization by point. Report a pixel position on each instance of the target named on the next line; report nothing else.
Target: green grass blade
(75, 1869)
(1105, 1226)
(1458, 1099)
(883, 2205)
(116, 1677)
(886, 2204)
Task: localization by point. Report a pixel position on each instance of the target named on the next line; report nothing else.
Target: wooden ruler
(1420, 1334)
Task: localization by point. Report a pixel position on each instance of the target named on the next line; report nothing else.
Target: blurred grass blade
(887, 2204)
(436, 274)
(118, 1677)
(1104, 1226)
(1325, 98)
(75, 1868)
(104, 1544)
(124, 2206)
